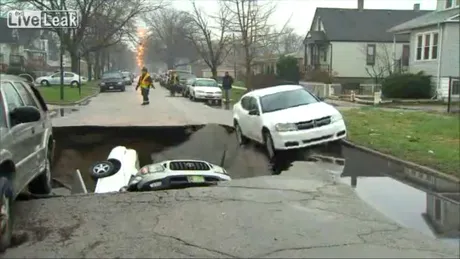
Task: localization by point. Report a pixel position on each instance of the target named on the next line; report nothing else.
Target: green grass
(236, 94)
(52, 94)
(424, 138)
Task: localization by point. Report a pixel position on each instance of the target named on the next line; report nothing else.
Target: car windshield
(190, 81)
(111, 76)
(211, 83)
(125, 73)
(286, 99)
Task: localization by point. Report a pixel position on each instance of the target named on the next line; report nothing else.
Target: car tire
(42, 183)
(240, 137)
(123, 89)
(74, 84)
(101, 90)
(45, 83)
(102, 169)
(269, 147)
(6, 222)
(219, 103)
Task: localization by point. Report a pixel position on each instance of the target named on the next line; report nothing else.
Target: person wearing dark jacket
(227, 82)
(145, 82)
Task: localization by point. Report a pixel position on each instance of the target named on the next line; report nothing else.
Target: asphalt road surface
(303, 212)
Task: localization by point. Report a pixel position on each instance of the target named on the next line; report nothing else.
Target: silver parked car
(26, 146)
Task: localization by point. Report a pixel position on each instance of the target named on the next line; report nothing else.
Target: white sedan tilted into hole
(286, 117)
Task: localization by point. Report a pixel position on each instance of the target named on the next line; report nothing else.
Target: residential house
(267, 64)
(22, 48)
(344, 42)
(435, 46)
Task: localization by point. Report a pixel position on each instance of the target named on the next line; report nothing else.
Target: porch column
(393, 67)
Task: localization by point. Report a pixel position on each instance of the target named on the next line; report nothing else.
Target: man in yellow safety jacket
(145, 82)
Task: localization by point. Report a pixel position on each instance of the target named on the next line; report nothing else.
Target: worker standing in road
(227, 82)
(145, 82)
(174, 83)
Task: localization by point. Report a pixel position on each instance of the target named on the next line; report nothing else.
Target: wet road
(303, 211)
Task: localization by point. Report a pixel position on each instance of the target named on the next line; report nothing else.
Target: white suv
(286, 117)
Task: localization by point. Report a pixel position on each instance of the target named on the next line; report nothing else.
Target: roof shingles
(429, 19)
(368, 25)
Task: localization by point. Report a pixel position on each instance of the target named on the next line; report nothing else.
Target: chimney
(416, 7)
(360, 5)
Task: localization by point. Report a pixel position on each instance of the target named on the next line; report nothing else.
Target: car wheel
(6, 219)
(102, 169)
(74, 84)
(45, 83)
(42, 183)
(270, 148)
(101, 90)
(219, 103)
(123, 89)
(240, 137)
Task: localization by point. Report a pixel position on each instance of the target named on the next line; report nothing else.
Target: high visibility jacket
(145, 81)
(174, 79)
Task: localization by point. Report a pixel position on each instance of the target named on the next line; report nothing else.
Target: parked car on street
(188, 86)
(286, 117)
(127, 77)
(206, 89)
(112, 81)
(70, 78)
(27, 147)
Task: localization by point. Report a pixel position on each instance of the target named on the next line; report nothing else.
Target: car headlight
(120, 83)
(102, 84)
(218, 93)
(281, 127)
(199, 91)
(336, 117)
(136, 180)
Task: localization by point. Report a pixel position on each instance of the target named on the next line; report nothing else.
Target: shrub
(288, 69)
(320, 76)
(407, 85)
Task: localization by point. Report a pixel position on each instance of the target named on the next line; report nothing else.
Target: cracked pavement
(296, 214)
(304, 212)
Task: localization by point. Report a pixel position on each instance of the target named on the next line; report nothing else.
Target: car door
(55, 79)
(22, 147)
(38, 128)
(255, 121)
(243, 115)
(68, 77)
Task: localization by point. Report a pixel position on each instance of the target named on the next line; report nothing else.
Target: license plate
(111, 87)
(209, 96)
(195, 179)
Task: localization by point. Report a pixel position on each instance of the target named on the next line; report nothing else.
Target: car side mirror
(254, 112)
(25, 114)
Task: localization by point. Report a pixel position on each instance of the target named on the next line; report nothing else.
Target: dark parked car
(112, 81)
(27, 146)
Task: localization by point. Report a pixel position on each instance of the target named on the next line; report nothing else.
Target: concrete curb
(77, 102)
(412, 165)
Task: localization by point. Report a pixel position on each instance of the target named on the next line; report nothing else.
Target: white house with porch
(435, 47)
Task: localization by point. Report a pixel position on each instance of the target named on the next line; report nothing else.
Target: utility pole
(61, 60)
(234, 55)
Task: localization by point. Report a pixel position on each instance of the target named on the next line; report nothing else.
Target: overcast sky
(302, 11)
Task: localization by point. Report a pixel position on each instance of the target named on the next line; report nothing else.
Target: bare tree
(381, 60)
(117, 15)
(250, 21)
(213, 47)
(168, 41)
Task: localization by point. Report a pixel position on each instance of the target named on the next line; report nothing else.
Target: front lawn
(425, 138)
(52, 94)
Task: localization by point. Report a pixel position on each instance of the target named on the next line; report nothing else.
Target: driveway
(304, 212)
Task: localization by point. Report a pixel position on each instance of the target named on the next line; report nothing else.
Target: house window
(405, 55)
(427, 46)
(370, 55)
(455, 87)
(449, 3)
(437, 209)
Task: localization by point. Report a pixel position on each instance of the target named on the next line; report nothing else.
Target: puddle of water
(409, 201)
